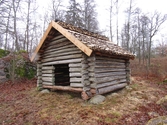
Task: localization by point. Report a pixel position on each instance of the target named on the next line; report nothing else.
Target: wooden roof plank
(72, 38)
(64, 32)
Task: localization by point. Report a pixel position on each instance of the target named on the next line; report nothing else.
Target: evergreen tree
(74, 14)
(90, 16)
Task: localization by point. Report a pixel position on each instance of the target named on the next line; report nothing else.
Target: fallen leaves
(21, 103)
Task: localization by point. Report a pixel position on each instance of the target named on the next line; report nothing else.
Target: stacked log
(39, 74)
(65, 59)
(92, 78)
(59, 51)
(75, 74)
(128, 71)
(48, 77)
(110, 74)
(62, 64)
(85, 73)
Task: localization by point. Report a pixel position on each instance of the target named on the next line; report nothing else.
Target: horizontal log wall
(128, 71)
(109, 74)
(111, 88)
(48, 77)
(61, 51)
(75, 74)
(39, 74)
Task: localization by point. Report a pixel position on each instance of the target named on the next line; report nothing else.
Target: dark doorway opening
(62, 75)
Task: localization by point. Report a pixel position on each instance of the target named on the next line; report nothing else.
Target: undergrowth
(157, 69)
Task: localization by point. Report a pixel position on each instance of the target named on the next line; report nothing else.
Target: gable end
(64, 32)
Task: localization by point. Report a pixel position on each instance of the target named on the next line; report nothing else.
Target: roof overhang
(68, 35)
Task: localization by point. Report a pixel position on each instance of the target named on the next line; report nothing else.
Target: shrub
(157, 69)
(22, 67)
(3, 53)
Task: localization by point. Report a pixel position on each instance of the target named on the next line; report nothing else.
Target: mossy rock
(22, 67)
(161, 120)
(97, 99)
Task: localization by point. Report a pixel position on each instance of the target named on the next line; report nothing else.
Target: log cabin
(73, 59)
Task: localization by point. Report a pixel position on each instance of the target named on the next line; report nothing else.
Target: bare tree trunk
(139, 39)
(7, 29)
(117, 22)
(24, 42)
(148, 56)
(15, 8)
(128, 25)
(143, 50)
(111, 34)
(155, 22)
(27, 26)
(13, 68)
(149, 51)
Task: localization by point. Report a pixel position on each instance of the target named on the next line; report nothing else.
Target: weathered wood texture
(75, 74)
(51, 31)
(85, 73)
(48, 77)
(109, 74)
(88, 76)
(74, 40)
(111, 88)
(63, 64)
(66, 59)
(64, 88)
(92, 64)
(39, 74)
(128, 71)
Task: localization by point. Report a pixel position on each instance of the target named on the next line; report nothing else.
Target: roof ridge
(82, 31)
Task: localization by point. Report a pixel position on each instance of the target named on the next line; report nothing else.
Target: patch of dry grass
(157, 70)
(32, 107)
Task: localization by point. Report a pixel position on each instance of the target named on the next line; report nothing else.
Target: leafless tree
(7, 28)
(156, 20)
(161, 48)
(29, 23)
(15, 8)
(128, 24)
(5, 16)
(57, 11)
(90, 16)
(26, 41)
(74, 14)
(117, 13)
(138, 12)
(111, 19)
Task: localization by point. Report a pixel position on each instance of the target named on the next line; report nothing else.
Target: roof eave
(64, 32)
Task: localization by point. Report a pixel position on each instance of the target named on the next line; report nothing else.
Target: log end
(84, 95)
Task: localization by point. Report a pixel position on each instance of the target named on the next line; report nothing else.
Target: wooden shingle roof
(95, 41)
(86, 41)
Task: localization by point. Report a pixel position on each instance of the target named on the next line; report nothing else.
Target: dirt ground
(21, 103)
